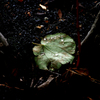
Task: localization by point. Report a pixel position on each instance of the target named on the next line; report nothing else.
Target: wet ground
(19, 21)
(25, 22)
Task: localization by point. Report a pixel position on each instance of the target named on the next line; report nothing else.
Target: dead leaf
(80, 26)
(46, 21)
(59, 13)
(29, 13)
(43, 7)
(57, 27)
(40, 26)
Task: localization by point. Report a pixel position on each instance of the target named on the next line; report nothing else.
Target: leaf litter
(28, 36)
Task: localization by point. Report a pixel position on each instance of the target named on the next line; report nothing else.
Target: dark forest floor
(19, 23)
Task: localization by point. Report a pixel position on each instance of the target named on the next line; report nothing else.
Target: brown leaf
(46, 21)
(29, 14)
(59, 13)
(43, 7)
(40, 26)
(57, 27)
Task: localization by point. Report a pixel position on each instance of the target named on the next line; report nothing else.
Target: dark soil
(18, 23)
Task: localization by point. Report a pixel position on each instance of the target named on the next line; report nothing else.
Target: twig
(94, 29)
(45, 84)
(54, 73)
(40, 79)
(11, 87)
(32, 83)
(3, 39)
(95, 5)
(1, 52)
(91, 79)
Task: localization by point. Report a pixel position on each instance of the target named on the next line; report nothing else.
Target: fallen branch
(3, 40)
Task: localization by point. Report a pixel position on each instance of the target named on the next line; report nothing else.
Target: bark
(3, 40)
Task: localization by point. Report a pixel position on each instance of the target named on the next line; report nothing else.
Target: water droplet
(45, 39)
(62, 40)
(56, 54)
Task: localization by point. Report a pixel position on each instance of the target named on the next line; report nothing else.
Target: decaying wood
(3, 40)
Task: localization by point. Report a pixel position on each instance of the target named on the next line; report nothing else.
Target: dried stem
(11, 87)
(45, 84)
(93, 31)
(90, 78)
(3, 40)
